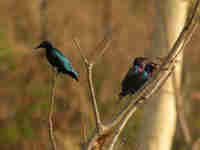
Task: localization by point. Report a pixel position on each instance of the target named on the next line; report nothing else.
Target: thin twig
(83, 124)
(77, 45)
(193, 29)
(179, 103)
(51, 111)
(193, 16)
(120, 129)
(181, 116)
(98, 122)
(103, 45)
(83, 129)
(89, 67)
(101, 54)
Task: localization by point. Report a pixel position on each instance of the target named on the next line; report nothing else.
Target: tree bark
(159, 117)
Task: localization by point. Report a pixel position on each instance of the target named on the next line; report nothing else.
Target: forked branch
(181, 116)
(169, 62)
(89, 68)
(118, 122)
(51, 111)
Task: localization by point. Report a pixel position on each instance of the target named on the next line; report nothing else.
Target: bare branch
(99, 125)
(104, 44)
(181, 116)
(77, 45)
(134, 108)
(131, 108)
(89, 67)
(147, 90)
(184, 34)
(102, 52)
(51, 111)
(43, 24)
(169, 61)
(120, 129)
(177, 47)
(159, 76)
(83, 129)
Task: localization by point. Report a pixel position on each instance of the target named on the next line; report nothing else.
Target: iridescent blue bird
(132, 76)
(136, 77)
(58, 60)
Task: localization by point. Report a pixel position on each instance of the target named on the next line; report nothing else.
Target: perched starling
(131, 82)
(58, 60)
(136, 77)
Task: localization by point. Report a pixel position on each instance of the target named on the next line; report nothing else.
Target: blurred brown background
(25, 75)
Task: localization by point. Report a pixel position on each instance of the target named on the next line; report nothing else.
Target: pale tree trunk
(159, 118)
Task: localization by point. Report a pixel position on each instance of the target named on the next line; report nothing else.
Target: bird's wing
(65, 61)
(130, 78)
(132, 72)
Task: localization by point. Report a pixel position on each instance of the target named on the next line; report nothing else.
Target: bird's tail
(73, 75)
(76, 78)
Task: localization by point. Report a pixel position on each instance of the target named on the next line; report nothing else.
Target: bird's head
(44, 44)
(151, 67)
(140, 61)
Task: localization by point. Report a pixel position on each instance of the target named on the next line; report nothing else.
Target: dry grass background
(25, 76)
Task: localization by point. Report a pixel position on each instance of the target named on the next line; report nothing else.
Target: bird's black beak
(37, 47)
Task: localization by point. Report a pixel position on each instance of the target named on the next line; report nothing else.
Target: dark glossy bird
(58, 60)
(132, 76)
(136, 77)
